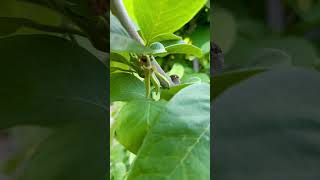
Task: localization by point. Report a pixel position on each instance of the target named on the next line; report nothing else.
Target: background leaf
(23, 10)
(277, 141)
(224, 29)
(43, 87)
(75, 151)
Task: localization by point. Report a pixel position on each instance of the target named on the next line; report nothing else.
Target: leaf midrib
(190, 150)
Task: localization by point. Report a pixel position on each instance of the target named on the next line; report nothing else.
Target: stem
(196, 65)
(119, 10)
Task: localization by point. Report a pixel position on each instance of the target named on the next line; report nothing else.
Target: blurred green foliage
(244, 30)
(266, 105)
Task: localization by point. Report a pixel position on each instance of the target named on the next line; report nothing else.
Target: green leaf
(120, 43)
(126, 87)
(37, 14)
(181, 47)
(116, 26)
(167, 94)
(157, 48)
(206, 47)
(166, 37)
(117, 57)
(75, 151)
(116, 66)
(43, 87)
(178, 145)
(164, 17)
(201, 35)
(269, 124)
(134, 121)
(120, 40)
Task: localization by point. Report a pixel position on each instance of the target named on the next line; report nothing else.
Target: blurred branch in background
(275, 15)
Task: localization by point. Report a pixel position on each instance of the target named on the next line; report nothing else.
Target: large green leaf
(75, 151)
(162, 17)
(178, 145)
(134, 121)
(48, 81)
(267, 127)
(126, 87)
